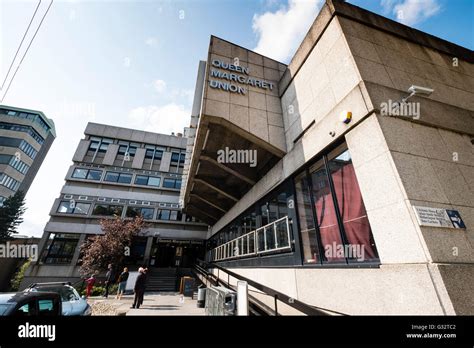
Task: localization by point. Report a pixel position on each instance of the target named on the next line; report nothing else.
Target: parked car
(23, 304)
(72, 303)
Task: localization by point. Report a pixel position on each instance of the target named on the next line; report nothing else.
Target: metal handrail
(278, 296)
(225, 251)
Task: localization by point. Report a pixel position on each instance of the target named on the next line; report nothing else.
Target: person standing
(122, 283)
(90, 285)
(139, 288)
(109, 279)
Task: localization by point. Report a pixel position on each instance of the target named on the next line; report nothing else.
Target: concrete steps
(162, 279)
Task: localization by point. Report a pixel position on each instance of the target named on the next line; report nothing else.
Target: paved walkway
(164, 303)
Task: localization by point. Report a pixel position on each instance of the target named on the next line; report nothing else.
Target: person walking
(122, 283)
(90, 285)
(139, 288)
(109, 279)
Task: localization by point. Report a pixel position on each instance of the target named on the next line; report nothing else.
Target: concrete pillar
(165, 162)
(110, 155)
(77, 252)
(149, 243)
(139, 158)
(81, 150)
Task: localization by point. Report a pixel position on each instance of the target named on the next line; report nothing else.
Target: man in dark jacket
(139, 288)
(109, 279)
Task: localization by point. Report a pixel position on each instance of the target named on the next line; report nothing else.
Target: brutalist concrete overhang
(236, 134)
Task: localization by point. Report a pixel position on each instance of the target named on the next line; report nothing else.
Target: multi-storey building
(335, 179)
(121, 172)
(25, 139)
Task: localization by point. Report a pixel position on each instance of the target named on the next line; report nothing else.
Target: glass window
(305, 212)
(163, 214)
(175, 215)
(111, 177)
(326, 217)
(94, 174)
(149, 153)
(154, 181)
(61, 247)
(125, 178)
(141, 180)
(72, 207)
(107, 210)
(46, 307)
(169, 183)
(351, 208)
(79, 173)
(147, 213)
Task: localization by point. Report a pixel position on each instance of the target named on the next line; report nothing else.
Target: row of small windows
(28, 149)
(125, 178)
(79, 208)
(15, 163)
(9, 182)
(21, 128)
(28, 116)
(19, 143)
(129, 149)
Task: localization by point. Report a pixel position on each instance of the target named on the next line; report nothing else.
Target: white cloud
(411, 12)
(160, 85)
(151, 41)
(280, 33)
(387, 6)
(163, 119)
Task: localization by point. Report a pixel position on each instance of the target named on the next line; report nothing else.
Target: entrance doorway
(175, 253)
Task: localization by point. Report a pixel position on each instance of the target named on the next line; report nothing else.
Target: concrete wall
(258, 111)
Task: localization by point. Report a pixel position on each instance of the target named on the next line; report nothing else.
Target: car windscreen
(66, 293)
(4, 308)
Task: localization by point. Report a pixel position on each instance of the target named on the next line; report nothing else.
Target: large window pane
(79, 173)
(154, 181)
(326, 214)
(141, 180)
(168, 183)
(94, 174)
(111, 177)
(352, 208)
(125, 178)
(307, 225)
(107, 210)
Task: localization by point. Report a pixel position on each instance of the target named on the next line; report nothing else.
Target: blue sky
(133, 63)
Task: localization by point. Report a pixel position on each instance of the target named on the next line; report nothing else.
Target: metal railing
(204, 268)
(273, 237)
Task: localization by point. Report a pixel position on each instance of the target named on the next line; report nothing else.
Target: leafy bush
(17, 279)
(100, 290)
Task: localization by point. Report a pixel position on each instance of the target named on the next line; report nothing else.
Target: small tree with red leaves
(110, 247)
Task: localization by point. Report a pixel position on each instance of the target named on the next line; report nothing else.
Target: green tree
(17, 279)
(11, 213)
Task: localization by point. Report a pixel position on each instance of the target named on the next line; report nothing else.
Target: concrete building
(122, 172)
(320, 180)
(25, 139)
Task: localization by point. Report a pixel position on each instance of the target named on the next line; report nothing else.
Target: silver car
(72, 303)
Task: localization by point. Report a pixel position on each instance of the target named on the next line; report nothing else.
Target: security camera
(420, 90)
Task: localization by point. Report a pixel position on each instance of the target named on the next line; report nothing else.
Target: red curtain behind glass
(352, 209)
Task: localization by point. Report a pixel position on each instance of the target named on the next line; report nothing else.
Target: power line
(21, 43)
(27, 49)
